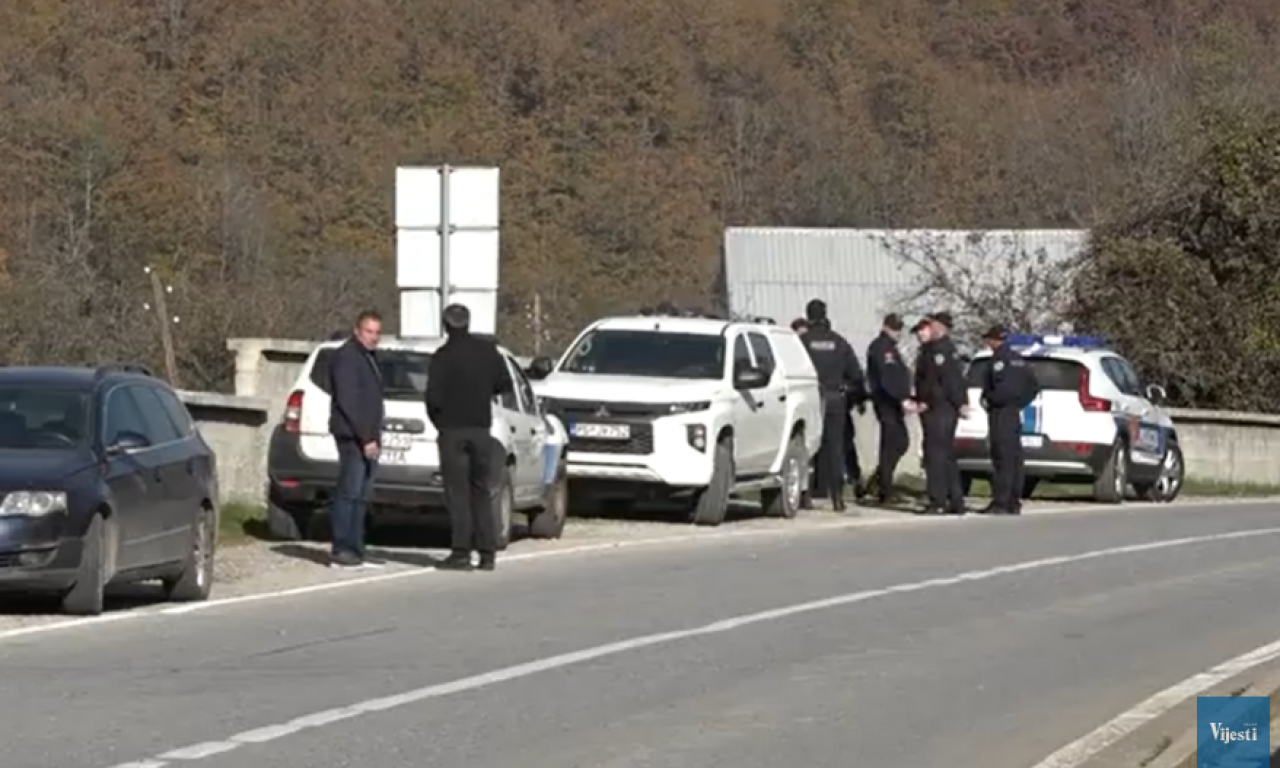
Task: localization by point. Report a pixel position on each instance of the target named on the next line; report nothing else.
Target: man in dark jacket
(839, 374)
(943, 399)
(1008, 387)
(464, 377)
(355, 420)
(889, 382)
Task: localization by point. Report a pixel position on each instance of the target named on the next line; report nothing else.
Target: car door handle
(513, 429)
(533, 431)
(157, 475)
(782, 398)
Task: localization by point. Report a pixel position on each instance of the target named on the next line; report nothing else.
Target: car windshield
(36, 418)
(648, 353)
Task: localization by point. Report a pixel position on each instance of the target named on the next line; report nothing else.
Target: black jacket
(1010, 382)
(464, 376)
(940, 376)
(355, 387)
(839, 374)
(888, 380)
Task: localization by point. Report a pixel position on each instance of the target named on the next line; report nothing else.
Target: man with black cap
(942, 399)
(1009, 386)
(838, 374)
(464, 376)
(889, 383)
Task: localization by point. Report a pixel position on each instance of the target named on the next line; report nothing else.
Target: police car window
(1059, 375)
(616, 352)
(1133, 385)
(764, 355)
(741, 354)
(521, 389)
(1115, 371)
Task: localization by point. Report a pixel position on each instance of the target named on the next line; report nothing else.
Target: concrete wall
(1218, 446)
(237, 428)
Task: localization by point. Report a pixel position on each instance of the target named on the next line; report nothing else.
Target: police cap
(920, 325)
(995, 333)
(941, 318)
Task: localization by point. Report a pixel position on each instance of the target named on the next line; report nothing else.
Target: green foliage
(1188, 286)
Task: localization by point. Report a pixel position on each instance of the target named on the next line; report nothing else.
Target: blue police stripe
(1031, 419)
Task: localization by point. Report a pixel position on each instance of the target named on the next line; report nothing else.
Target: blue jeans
(351, 498)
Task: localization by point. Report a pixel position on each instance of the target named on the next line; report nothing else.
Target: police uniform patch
(827, 346)
(999, 366)
(938, 359)
(888, 357)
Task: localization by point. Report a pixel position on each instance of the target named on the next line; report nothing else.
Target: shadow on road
(124, 597)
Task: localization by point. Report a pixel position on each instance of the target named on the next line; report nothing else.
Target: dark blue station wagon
(103, 479)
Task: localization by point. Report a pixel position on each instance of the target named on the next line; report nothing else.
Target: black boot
(458, 560)
(488, 561)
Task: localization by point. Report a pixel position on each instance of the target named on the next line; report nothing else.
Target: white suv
(1092, 423)
(302, 463)
(686, 408)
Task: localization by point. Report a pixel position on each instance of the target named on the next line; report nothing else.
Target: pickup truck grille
(640, 443)
(591, 409)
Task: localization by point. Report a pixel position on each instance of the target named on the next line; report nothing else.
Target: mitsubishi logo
(602, 411)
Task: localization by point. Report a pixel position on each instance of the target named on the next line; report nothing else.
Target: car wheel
(86, 597)
(1172, 474)
(504, 501)
(1110, 486)
(196, 579)
(548, 522)
(713, 501)
(786, 501)
(286, 524)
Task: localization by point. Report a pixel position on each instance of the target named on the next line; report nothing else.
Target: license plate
(1032, 441)
(387, 456)
(603, 431)
(396, 441)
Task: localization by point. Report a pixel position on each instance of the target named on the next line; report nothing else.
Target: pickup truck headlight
(33, 503)
(688, 407)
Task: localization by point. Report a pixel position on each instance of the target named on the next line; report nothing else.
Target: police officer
(889, 385)
(1009, 386)
(464, 376)
(942, 400)
(838, 373)
(855, 400)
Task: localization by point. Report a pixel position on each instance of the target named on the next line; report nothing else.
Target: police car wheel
(786, 501)
(1169, 484)
(1110, 486)
(503, 503)
(712, 502)
(548, 522)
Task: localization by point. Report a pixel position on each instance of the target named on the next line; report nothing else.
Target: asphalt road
(906, 665)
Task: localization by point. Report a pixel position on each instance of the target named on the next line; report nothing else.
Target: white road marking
(1088, 746)
(684, 538)
(278, 731)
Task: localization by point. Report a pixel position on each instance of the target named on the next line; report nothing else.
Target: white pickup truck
(686, 408)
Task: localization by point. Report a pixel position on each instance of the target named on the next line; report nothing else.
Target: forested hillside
(246, 148)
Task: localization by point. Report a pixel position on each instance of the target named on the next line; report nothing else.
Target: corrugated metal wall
(858, 272)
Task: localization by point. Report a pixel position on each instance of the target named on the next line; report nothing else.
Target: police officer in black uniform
(942, 399)
(838, 373)
(889, 385)
(1009, 386)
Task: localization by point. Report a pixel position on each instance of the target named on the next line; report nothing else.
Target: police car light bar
(1037, 340)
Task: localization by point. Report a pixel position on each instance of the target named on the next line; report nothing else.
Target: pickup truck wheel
(713, 501)
(504, 500)
(548, 522)
(786, 501)
(288, 524)
(86, 596)
(1110, 486)
(196, 579)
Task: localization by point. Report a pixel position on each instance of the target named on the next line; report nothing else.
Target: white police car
(1093, 422)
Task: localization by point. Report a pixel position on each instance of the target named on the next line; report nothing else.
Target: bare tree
(984, 278)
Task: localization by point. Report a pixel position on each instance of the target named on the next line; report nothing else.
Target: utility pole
(537, 323)
(161, 306)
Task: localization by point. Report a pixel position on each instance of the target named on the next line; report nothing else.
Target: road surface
(878, 647)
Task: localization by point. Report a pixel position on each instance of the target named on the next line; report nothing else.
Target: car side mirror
(127, 442)
(1156, 393)
(540, 368)
(749, 378)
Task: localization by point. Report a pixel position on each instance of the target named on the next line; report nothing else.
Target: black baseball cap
(942, 318)
(815, 310)
(996, 333)
(893, 322)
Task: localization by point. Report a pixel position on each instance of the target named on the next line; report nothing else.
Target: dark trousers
(1004, 428)
(852, 467)
(467, 467)
(942, 473)
(894, 442)
(351, 498)
(829, 464)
